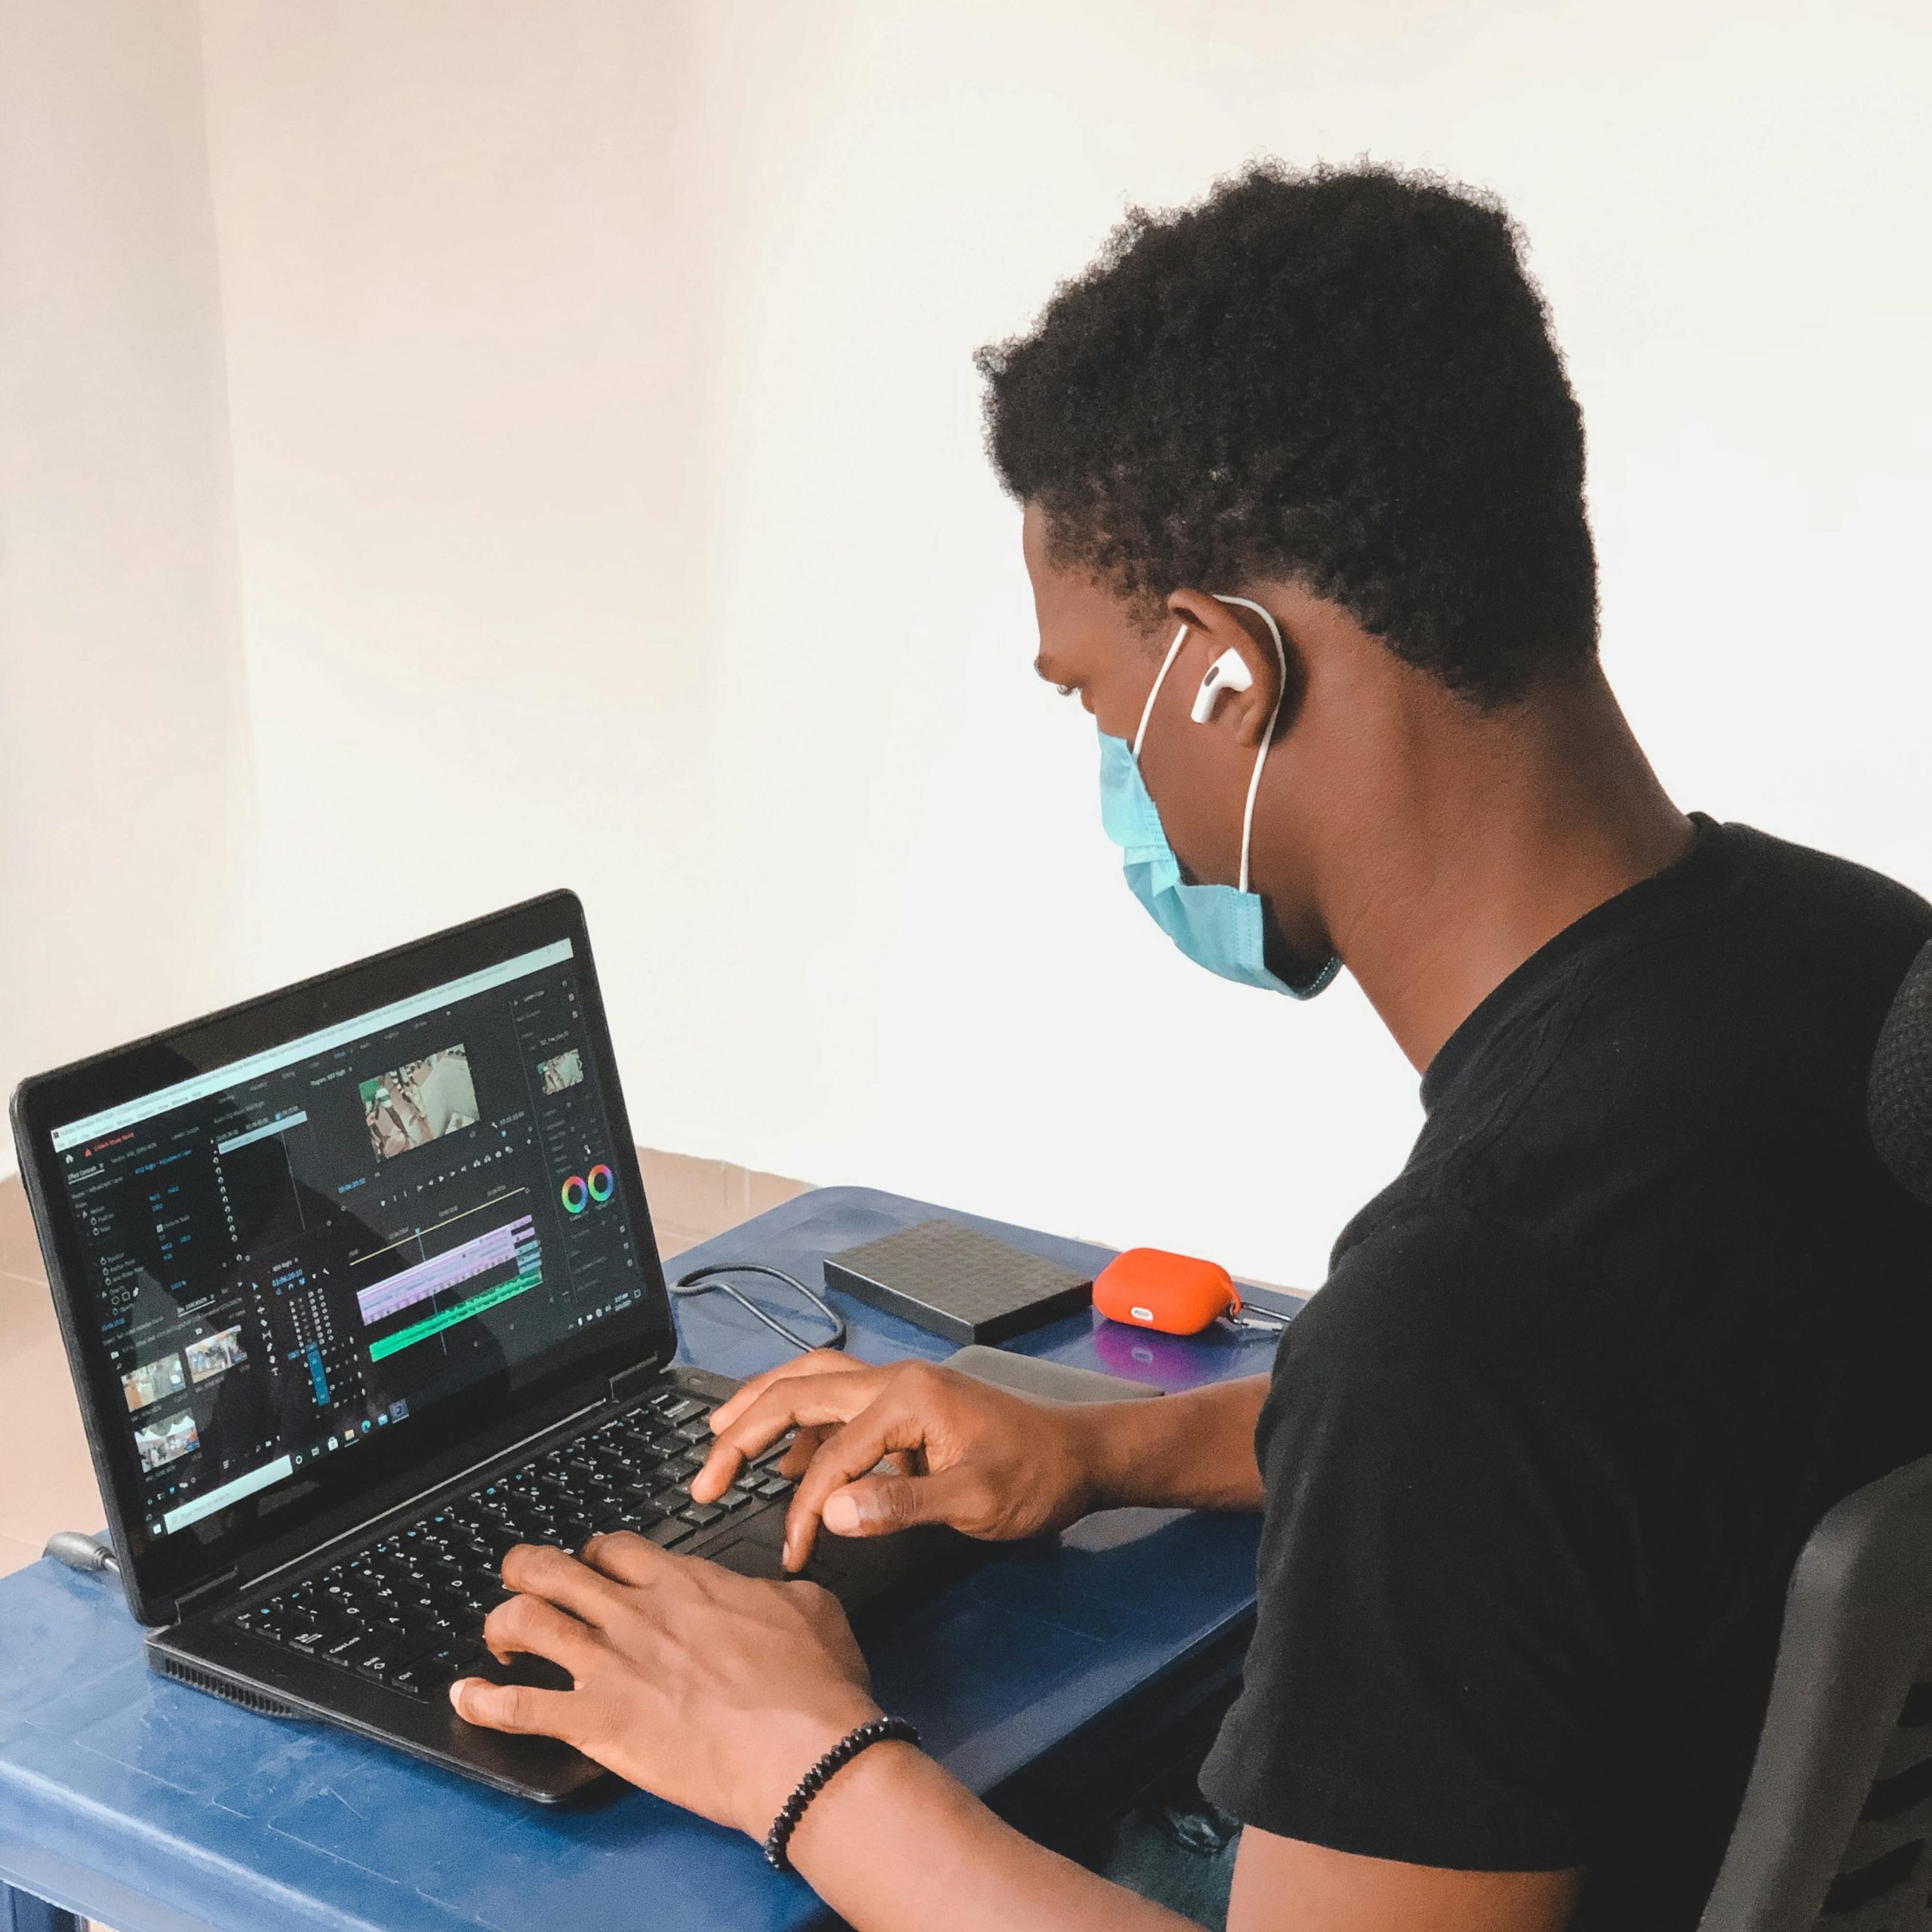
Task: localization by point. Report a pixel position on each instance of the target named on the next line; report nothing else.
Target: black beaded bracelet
(878, 1731)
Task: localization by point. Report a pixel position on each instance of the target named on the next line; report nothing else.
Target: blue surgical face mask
(1219, 926)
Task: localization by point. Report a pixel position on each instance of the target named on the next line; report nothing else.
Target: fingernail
(841, 1513)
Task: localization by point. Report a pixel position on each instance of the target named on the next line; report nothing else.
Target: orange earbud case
(1179, 1294)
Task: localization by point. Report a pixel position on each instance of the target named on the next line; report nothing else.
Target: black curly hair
(1344, 377)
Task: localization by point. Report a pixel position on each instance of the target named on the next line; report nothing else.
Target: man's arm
(988, 1462)
(717, 1691)
(1195, 1451)
(893, 1841)
(1283, 1885)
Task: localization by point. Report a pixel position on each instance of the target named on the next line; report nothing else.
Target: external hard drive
(957, 1283)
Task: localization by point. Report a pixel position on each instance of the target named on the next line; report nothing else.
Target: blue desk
(158, 1809)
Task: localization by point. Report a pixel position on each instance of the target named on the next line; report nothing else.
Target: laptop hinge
(189, 1601)
(634, 1380)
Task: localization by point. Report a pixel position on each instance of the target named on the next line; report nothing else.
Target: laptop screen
(301, 1259)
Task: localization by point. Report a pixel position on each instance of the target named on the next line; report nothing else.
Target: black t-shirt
(1540, 1455)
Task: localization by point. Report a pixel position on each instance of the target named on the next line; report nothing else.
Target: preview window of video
(561, 1071)
(209, 1357)
(146, 1384)
(420, 1102)
(160, 1443)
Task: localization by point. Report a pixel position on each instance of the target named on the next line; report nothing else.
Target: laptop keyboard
(408, 1611)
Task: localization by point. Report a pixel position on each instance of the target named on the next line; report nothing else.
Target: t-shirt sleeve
(1444, 1609)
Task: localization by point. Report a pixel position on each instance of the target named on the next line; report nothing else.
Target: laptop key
(400, 1626)
(385, 1661)
(667, 1532)
(637, 1517)
(427, 1675)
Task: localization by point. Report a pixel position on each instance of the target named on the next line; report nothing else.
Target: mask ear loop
(1160, 677)
(1267, 743)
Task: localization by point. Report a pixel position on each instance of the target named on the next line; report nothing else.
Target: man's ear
(1215, 627)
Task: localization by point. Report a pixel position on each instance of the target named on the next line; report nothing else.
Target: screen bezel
(158, 1572)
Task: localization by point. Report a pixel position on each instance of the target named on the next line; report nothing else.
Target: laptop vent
(219, 1687)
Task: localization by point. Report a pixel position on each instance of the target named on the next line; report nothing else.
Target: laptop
(358, 1288)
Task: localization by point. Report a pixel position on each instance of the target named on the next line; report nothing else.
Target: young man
(1303, 489)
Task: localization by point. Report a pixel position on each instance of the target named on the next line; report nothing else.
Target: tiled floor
(46, 1482)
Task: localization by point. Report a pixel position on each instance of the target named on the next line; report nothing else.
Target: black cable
(697, 1282)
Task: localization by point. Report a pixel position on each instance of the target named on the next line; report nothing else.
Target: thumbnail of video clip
(563, 1070)
(146, 1385)
(208, 1358)
(159, 1443)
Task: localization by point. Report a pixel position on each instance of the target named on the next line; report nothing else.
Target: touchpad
(522, 1667)
(752, 1555)
(759, 1547)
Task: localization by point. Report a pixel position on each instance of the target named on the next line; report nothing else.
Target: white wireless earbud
(1228, 672)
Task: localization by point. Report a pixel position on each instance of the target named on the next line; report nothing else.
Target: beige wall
(611, 511)
(123, 731)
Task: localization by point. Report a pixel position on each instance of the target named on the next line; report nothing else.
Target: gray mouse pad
(1053, 1381)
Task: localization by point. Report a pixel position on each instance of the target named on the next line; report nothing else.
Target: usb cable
(699, 1282)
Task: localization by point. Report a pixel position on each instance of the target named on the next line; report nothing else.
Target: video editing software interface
(292, 1254)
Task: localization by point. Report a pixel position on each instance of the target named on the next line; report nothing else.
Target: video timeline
(512, 1253)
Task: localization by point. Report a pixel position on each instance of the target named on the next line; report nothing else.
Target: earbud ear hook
(1228, 672)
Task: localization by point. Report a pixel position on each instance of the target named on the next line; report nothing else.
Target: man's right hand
(988, 1463)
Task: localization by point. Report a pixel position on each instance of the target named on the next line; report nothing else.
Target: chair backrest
(1835, 1831)
(1900, 1098)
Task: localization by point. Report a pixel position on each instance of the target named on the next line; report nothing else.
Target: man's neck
(1495, 832)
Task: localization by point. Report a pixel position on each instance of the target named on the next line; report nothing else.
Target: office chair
(1835, 1831)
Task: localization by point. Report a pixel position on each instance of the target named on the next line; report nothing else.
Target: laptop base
(209, 1653)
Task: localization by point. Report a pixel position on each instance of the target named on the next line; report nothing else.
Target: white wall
(123, 730)
(611, 511)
